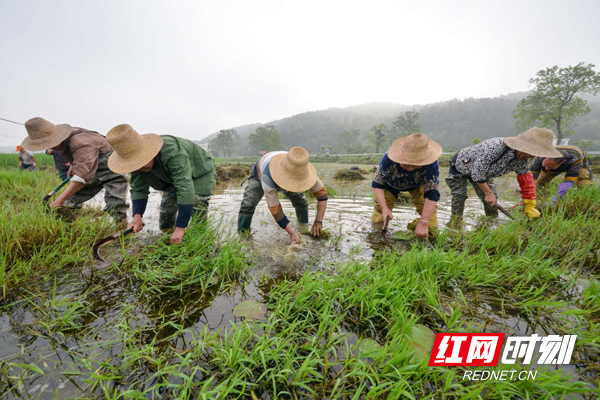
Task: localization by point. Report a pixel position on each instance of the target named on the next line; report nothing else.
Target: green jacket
(189, 167)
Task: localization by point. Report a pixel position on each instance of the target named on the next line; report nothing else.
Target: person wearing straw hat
(410, 165)
(88, 153)
(495, 157)
(184, 171)
(573, 164)
(26, 159)
(291, 173)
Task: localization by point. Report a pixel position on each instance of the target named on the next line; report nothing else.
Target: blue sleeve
(432, 182)
(184, 214)
(138, 206)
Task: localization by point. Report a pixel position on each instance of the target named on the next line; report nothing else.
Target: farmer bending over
(290, 173)
(410, 165)
(26, 159)
(88, 153)
(572, 163)
(184, 171)
(495, 157)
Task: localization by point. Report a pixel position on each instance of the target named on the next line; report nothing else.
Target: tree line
(555, 101)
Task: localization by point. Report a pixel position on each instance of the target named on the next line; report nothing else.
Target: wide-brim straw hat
(536, 141)
(43, 135)
(415, 149)
(292, 171)
(131, 150)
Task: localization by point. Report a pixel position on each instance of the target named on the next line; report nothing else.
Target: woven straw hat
(43, 135)
(536, 141)
(292, 171)
(415, 149)
(132, 150)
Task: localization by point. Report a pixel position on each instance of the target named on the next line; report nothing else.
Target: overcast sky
(190, 68)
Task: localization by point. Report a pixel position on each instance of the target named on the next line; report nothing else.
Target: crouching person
(88, 153)
(289, 173)
(492, 158)
(572, 163)
(410, 165)
(184, 171)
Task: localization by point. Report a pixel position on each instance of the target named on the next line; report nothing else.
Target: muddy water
(351, 236)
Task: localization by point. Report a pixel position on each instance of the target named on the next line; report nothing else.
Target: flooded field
(122, 328)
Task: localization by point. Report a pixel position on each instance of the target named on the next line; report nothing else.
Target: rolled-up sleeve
(319, 191)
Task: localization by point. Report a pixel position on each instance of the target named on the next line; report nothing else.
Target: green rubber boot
(244, 222)
(302, 215)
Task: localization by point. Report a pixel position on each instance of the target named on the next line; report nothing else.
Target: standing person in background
(60, 163)
(88, 153)
(410, 165)
(492, 158)
(572, 163)
(288, 172)
(26, 159)
(181, 169)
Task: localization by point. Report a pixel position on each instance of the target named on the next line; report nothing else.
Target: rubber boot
(244, 222)
(302, 215)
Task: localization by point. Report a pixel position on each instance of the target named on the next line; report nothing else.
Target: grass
(159, 324)
(12, 160)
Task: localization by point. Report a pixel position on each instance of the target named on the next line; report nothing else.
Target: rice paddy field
(225, 316)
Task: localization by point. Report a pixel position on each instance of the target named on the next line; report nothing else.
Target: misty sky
(190, 68)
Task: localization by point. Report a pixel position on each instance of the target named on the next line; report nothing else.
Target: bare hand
(136, 223)
(490, 198)
(387, 214)
(421, 231)
(70, 171)
(55, 204)
(294, 238)
(177, 236)
(317, 229)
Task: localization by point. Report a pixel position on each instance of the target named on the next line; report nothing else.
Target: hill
(454, 123)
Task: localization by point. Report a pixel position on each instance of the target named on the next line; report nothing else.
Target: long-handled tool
(384, 232)
(102, 242)
(503, 211)
(56, 189)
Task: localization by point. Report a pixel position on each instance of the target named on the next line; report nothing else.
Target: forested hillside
(454, 123)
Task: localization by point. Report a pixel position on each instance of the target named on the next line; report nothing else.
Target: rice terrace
(300, 200)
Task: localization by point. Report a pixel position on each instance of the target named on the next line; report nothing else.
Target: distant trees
(225, 143)
(349, 140)
(476, 140)
(408, 123)
(554, 100)
(265, 138)
(378, 136)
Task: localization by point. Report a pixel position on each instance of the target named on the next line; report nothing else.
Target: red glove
(527, 186)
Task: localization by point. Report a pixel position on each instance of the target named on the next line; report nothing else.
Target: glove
(530, 209)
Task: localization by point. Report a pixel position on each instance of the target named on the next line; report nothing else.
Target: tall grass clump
(35, 242)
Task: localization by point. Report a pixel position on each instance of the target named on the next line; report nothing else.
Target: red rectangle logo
(466, 349)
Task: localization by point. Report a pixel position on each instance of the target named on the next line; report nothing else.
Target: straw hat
(536, 141)
(132, 150)
(292, 171)
(42, 134)
(415, 149)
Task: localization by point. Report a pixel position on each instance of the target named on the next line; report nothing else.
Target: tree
(265, 138)
(224, 143)
(554, 100)
(349, 139)
(407, 124)
(377, 135)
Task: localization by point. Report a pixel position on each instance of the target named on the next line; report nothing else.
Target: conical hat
(132, 150)
(43, 135)
(415, 149)
(536, 141)
(292, 171)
